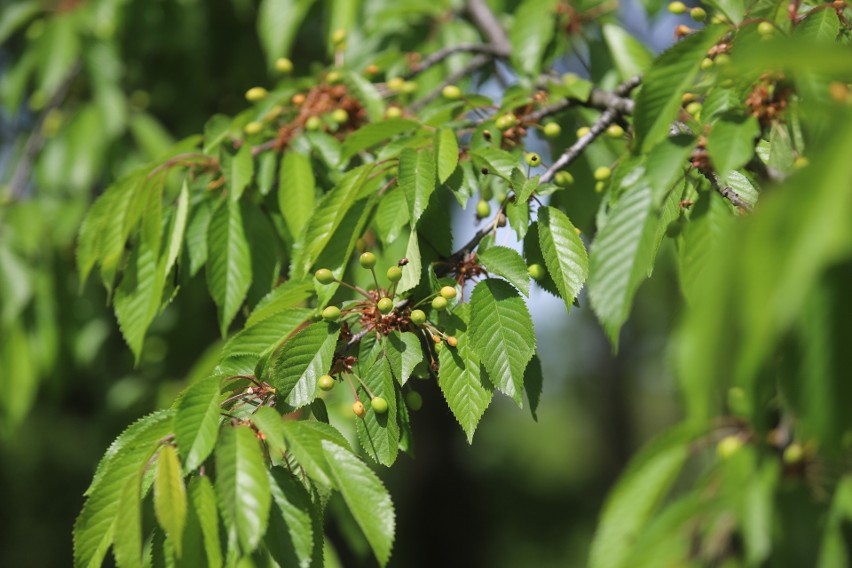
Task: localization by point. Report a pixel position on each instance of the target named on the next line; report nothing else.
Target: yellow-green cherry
(451, 93)
(414, 400)
(563, 178)
(358, 409)
(256, 94)
(331, 314)
(448, 292)
(367, 260)
(326, 382)
(602, 173)
(393, 112)
(483, 209)
(324, 276)
(313, 123)
(532, 159)
(418, 317)
(552, 130)
(385, 305)
(340, 116)
(283, 65)
(536, 272)
(394, 274)
(677, 8)
(698, 14)
(765, 29)
(615, 131)
(728, 446)
(379, 404)
(253, 128)
(439, 303)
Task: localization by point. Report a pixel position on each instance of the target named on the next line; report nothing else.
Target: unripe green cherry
(602, 173)
(414, 400)
(326, 382)
(677, 8)
(358, 409)
(728, 446)
(448, 292)
(367, 260)
(253, 128)
(765, 29)
(338, 37)
(536, 272)
(394, 274)
(451, 93)
(483, 209)
(600, 186)
(385, 305)
(256, 94)
(563, 178)
(706, 64)
(379, 404)
(698, 14)
(793, 454)
(552, 130)
(722, 60)
(340, 116)
(395, 84)
(439, 303)
(801, 162)
(324, 276)
(582, 131)
(418, 317)
(333, 77)
(506, 121)
(409, 87)
(331, 314)
(694, 108)
(532, 159)
(283, 65)
(313, 123)
(615, 131)
(393, 112)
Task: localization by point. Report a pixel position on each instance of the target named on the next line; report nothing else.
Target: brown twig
(438, 56)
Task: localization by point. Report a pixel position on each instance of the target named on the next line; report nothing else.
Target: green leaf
(303, 359)
(404, 352)
(138, 297)
(630, 56)
(564, 253)
(635, 497)
(366, 497)
(501, 331)
(296, 190)
(242, 486)
(379, 433)
(277, 24)
(127, 547)
(170, 497)
(459, 376)
(391, 215)
(304, 443)
(743, 186)
(533, 383)
(294, 508)
(524, 187)
(710, 221)
(238, 171)
(126, 457)
(663, 85)
(197, 421)
(498, 162)
(229, 264)
(446, 153)
(269, 423)
(531, 31)
(287, 295)
(417, 180)
(15, 15)
(621, 256)
(366, 93)
(820, 25)
(176, 232)
(506, 262)
(259, 340)
(730, 142)
(203, 499)
(411, 272)
(196, 235)
(665, 163)
(371, 134)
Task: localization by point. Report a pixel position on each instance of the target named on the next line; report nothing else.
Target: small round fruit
(358, 409)
(706, 64)
(394, 274)
(602, 173)
(451, 93)
(256, 94)
(728, 446)
(694, 108)
(324, 276)
(393, 112)
(615, 131)
(722, 60)
(367, 260)
(532, 159)
(379, 404)
(582, 131)
(801, 162)
(698, 14)
(361, 245)
(765, 29)
(331, 314)
(506, 121)
(600, 186)
(283, 65)
(371, 69)
(688, 97)
(340, 116)
(409, 87)
(452, 341)
(552, 130)
(253, 127)
(418, 317)
(563, 178)
(569, 79)
(313, 123)
(439, 303)
(677, 8)
(396, 84)
(793, 454)
(385, 305)
(483, 209)
(339, 36)
(333, 77)
(536, 272)
(414, 400)
(326, 382)
(298, 99)
(448, 292)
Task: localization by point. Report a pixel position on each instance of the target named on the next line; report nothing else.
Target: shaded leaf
(229, 264)
(564, 253)
(303, 359)
(170, 497)
(197, 421)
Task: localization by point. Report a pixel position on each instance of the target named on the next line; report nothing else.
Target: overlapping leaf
(379, 433)
(303, 359)
(229, 263)
(197, 421)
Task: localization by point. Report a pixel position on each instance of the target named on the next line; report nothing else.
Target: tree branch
(474, 64)
(484, 19)
(726, 191)
(438, 56)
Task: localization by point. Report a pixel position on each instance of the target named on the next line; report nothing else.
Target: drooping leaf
(411, 272)
(446, 153)
(296, 190)
(564, 253)
(531, 31)
(391, 216)
(137, 299)
(366, 497)
(170, 497)
(304, 442)
(417, 180)
(238, 170)
(197, 421)
(287, 295)
(533, 382)
(229, 264)
(502, 334)
(379, 433)
(371, 134)
(630, 56)
(127, 547)
(303, 359)
(269, 423)
(242, 485)
(710, 220)
(294, 509)
(203, 498)
(258, 340)
(277, 23)
(730, 142)
(506, 262)
(404, 352)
